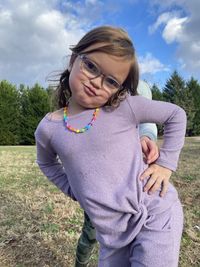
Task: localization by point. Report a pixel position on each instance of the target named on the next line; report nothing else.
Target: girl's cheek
(108, 94)
(74, 81)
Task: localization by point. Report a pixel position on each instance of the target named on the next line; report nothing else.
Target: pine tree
(9, 114)
(156, 93)
(176, 91)
(34, 105)
(193, 88)
(51, 91)
(174, 88)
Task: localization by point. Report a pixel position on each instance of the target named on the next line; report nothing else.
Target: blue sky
(36, 34)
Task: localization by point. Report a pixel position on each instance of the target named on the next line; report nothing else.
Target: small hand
(159, 178)
(149, 149)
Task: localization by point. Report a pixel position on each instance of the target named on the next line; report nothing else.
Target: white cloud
(35, 36)
(163, 18)
(174, 29)
(182, 28)
(151, 65)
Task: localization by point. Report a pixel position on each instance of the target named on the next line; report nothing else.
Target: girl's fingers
(150, 183)
(146, 173)
(144, 147)
(158, 179)
(153, 158)
(156, 186)
(164, 188)
(151, 151)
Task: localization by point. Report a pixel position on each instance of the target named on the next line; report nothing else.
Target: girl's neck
(74, 108)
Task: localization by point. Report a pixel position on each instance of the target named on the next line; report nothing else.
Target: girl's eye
(112, 83)
(91, 67)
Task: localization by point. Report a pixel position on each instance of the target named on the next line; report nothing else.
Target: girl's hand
(149, 149)
(159, 178)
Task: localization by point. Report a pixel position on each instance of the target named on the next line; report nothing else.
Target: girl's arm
(48, 160)
(174, 120)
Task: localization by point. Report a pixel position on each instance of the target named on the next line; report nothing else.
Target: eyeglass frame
(82, 56)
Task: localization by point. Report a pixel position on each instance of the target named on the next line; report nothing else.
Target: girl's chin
(89, 106)
(87, 103)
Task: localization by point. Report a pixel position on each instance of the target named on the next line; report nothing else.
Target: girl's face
(95, 77)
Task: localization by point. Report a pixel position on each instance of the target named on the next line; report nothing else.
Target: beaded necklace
(84, 129)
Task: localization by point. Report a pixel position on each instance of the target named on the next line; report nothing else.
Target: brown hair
(115, 41)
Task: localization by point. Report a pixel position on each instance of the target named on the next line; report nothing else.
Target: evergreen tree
(174, 88)
(156, 93)
(34, 105)
(193, 88)
(51, 91)
(177, 92)
(9, 114)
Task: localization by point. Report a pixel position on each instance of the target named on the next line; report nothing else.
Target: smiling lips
(89, 91)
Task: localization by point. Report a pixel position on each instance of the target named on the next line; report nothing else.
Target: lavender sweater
(102, 166)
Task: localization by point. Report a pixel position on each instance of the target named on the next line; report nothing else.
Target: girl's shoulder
(49, 123)
(132, 100)
(55, 116)
(135, 97)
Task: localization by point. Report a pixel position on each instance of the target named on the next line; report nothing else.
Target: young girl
(99, 147)
(148, 136)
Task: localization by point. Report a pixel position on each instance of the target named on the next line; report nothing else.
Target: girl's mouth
(89, 91)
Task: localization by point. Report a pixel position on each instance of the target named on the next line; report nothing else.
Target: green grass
(39, 226)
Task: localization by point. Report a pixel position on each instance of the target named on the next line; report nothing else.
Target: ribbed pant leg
(158, 243)
(114, 257)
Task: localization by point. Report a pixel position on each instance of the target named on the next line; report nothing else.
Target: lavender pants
(157, 244)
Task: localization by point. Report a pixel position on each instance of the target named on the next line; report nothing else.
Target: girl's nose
(97, 82)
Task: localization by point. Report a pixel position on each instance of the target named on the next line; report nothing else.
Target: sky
(35, 35)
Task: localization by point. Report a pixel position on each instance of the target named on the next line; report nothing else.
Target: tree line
(185, 94)
(21, 108)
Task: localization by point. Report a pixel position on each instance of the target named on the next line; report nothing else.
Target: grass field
(39, 226)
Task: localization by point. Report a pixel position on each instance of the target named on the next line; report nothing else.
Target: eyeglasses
(92, 71)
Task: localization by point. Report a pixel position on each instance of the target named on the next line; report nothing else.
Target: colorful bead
(82, 130)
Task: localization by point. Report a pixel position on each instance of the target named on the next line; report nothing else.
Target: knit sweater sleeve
(171, 116)
(48, 160)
